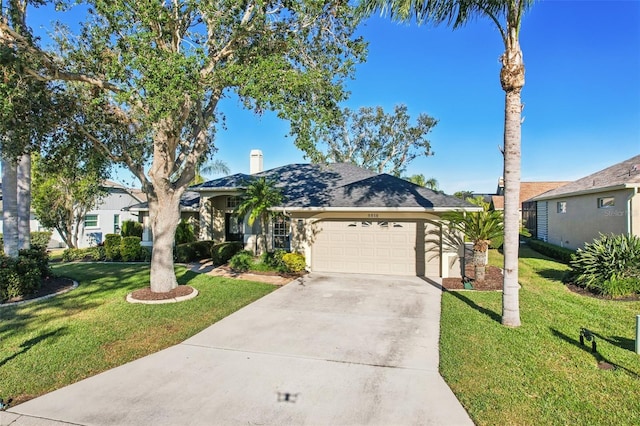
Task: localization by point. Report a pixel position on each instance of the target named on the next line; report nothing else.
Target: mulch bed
(147, 294)
(492, 280)
(590, 293)
(49, 285)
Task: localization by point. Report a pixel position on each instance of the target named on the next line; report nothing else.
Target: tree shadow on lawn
(491, 314)
(597, 356)
(28, 344)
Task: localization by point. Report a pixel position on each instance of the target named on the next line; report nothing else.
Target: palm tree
(419, 179)
(507, 16)
(481, 228)
(212, 167)
(260, 196)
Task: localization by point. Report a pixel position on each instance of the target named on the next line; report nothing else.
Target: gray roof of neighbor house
(189, 201)
(625, 174)
(340, 185)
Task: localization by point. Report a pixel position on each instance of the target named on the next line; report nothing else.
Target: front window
(281, 226)
(233, 202)
(91, 221)
(116, 223)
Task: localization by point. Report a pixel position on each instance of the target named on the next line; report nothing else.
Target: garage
(376, 247)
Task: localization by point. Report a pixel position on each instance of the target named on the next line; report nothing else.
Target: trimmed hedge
(189, 252)
(89, 253)
(294, 262)
(130, 249)
(24, 275)
(241, 261)
(131, 228)
(112, 244)
(223, 252)
(561, 254)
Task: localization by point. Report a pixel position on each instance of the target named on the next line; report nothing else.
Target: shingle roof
(340, 185)
(625, 173)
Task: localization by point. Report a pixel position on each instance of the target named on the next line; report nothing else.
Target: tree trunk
(10, 207)
(479, 266)
(164, 215)
(512, 79)
(24, 202)
(262, 237)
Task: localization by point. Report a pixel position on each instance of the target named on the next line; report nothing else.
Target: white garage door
(372, 247)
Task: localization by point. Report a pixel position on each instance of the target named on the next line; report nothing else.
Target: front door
(232, 228)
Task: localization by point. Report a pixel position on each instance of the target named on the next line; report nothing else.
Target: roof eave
(586, 192)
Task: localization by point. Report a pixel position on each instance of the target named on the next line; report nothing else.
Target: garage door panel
(371, 247)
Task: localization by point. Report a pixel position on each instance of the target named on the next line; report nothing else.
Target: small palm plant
(260, 196)
(480, 228)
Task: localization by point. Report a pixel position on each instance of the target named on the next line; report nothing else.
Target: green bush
(190, 252)
(40, 239)
(295, 262)
(23, 276)
(608, 265)
(185, 233)
(621, 287)
(273, 259)
(130, 249)
(241, 261)
(221, 253)
(131, 228)
(112, 243)
(561, 254)
(96, 254)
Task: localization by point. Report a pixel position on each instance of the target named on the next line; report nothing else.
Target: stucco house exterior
(341, 217)
(605, 202)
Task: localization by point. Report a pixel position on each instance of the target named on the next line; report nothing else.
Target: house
(528, 190)
(341, 217)
(105, 218)
(605, 202)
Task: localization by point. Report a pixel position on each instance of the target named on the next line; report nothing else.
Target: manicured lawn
(50, 344)
(539, 373)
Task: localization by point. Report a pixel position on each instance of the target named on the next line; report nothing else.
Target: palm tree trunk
(479, 265)
(512, 79)
(24, 202)
(10, 207)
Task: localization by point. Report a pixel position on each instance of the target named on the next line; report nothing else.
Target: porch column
(206, 210)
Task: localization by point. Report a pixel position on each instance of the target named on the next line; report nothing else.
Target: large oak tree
(155, 71)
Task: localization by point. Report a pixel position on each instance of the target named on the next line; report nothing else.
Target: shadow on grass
(621, 342)
(26, 345)
(596, 355)
(552, 274)
(495, 316)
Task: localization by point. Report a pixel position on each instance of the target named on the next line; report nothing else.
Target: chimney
(255, 161)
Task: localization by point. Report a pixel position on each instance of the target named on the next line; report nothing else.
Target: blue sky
(582, 95)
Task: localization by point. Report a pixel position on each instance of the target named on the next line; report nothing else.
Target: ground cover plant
(47, 345)
(539, 373)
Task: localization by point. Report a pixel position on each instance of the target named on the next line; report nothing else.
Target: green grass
(539, 373)
(50, 344)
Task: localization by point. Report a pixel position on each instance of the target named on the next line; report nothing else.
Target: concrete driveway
(331, 349)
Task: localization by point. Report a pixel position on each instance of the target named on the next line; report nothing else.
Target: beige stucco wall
(584, 221)
(304, 230)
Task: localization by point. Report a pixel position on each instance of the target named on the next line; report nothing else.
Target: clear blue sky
(582, 95)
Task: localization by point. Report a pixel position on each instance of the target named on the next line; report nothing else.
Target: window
(562, 206)
(606, 202)
(91, 221)
(233, 202)
(281, 232)
(383, 224)
(116, 223)
(366, 224)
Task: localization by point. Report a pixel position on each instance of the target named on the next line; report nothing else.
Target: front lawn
(539, 373)
(47, 345)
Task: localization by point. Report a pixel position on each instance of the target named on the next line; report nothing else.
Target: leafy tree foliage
(152, 74)
(370, 138)
(260, 196)
(64, 193)
(419, 179)
(507, 17)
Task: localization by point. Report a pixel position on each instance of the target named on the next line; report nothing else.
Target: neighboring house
(606, 202)
(342, 218)
(528, 190)
(106, 218)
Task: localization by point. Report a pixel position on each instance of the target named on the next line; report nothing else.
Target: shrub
(185, 233)
(96, 254)
(241, 261)
(621, 287)
(561, 254)
(273, 259)
(22, 276)
(189, 252)
(295, 262)
(130, 249)
(40, 239)
(221, 253)
(611, 259)
(131, 228)
(112, 244)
